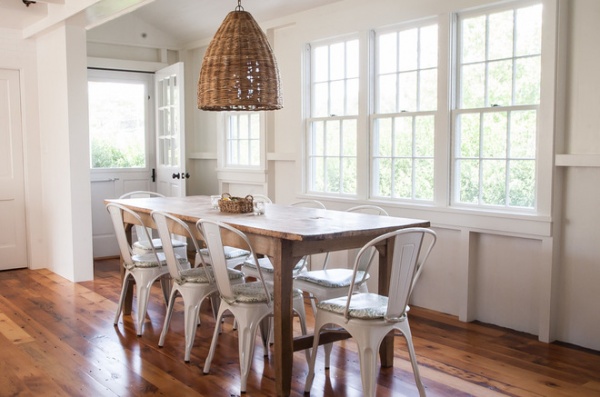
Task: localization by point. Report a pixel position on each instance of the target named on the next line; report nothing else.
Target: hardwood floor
(57, 338)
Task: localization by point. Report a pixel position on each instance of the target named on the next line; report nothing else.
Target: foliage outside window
(333, 121)
(117, 123)
(243, 139)
(405, 105)
(498, 95)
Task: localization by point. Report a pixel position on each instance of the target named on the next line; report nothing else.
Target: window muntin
(117, 123)
(243, 139)
(498, 95)
(403, 125)
(333, 121)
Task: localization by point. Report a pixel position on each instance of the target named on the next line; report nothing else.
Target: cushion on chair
(149, 260)
(332, 278)
(364, 306)
(230, 252)
(141, 247)
(198, 275)
(254, 292)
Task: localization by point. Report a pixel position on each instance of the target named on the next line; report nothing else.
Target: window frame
(225, 163)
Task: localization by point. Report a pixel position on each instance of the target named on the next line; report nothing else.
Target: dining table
(285, 234)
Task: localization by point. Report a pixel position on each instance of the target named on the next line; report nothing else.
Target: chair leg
(265, 327)
(313, 356)
(367, 353)
(247, 329)
(143, 286)
(190, 319)
(213, 344)
(328, 347)
(405, 329)
(168, 315)
(122, 297)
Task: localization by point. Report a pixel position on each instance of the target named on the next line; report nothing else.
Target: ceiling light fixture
(239, 70)
(28, 2)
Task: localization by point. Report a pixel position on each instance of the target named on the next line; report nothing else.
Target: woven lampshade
(239, 70)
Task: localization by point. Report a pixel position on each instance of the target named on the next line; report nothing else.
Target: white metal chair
(144, 269)
(369, 317)
(333, 282)
(250, 303)
(142, 245)
(193, 284)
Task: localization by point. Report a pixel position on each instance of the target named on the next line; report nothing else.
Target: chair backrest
(262, 197)
(367, 259)
(309, 204)
(116, 215)
(212, 232)
(162, 221)
(408, 258)
(140, 235)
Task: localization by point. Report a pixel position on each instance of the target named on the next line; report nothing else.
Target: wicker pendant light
(239, 70)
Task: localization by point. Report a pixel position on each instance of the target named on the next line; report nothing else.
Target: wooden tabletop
(279, 221)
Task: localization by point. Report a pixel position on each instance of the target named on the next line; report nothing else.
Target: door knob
(176, 175)
(187, 175)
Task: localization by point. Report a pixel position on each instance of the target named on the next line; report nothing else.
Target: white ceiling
(185, 20)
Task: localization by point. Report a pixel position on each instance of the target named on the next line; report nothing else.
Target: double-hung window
(243, 140)
(403, 125)
(497, 105)
(333, 121)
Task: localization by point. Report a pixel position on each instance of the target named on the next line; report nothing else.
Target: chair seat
(230, 252)
(331, 278)
(254, 292)
(141, 247)
(266, 265)
(366, 306)
(198, 275)
(149, 260)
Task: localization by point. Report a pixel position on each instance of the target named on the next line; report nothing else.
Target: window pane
(387, 54)
(337, 98)
(332, 136)
(387, 94)
(468, 171)
(408, 91)
(318, 175)
(351, 97)
(403, 137)
(320, 107)
(333, 175)
(349, 138)
(523, 134)
(522, 183)
(501, 35)
(383, 172)
(383, 138)
(319, 138)
(349, 181)
(473, 86)
(336, 61)
(407, 43)
(403, 178)
(117, 125)
(500, 83)
(527, 81)
(352, 59)
(493, 182)
(473, 39)
(468, 135)
(424, 179)
(428, 90)
(494, 135)
(321, 63)
(529, 30)
(428, 53)
(424, 133)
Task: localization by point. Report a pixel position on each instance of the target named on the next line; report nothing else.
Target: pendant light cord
(239, 6)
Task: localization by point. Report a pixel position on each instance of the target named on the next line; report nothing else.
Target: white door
(13, 241)
(121, 112)
(170, 131)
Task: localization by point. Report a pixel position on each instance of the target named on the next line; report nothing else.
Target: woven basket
(239, 70)
(235, 205)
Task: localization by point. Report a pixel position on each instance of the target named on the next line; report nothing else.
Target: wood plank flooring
(57, 338)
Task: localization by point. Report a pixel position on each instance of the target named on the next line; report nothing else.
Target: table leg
(284, 349)
(386, 350)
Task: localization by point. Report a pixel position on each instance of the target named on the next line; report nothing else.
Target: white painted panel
(13, 243)
(507, 291)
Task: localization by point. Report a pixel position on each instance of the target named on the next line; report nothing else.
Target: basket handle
(249, 198)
